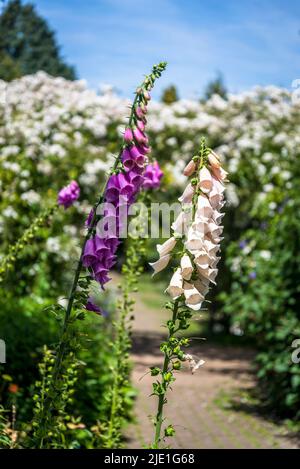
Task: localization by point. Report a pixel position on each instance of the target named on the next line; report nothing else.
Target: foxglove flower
(91, 306)
(152, 176)
(69, 194)
(131, 174)
(198, 227)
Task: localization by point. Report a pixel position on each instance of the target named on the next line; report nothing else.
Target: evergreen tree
(215, 86)
(27, 44)
(170, 95)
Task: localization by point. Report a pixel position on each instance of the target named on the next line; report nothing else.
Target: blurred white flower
(31, 197)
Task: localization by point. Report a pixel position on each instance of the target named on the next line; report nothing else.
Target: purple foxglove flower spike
(122, 188)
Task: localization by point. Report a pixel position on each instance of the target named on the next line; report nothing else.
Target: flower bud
(213, 161)
(190, 168)
(128, 136)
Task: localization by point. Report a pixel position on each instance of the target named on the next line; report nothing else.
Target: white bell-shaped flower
(182, 222)
(202, 259)
(187, 195)
(211, 247)
(193, 298)
(160, 264)
(218, 185)
(217, 216)
(215, 199)
(210, 274)
(202, 287)
(166, 247)
(204, 208)
(186, 267)
(175, 289)
(214, 230)
(205, 180)
(219, 173)
(194, 240)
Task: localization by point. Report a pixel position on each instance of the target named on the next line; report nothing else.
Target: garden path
(199, 406)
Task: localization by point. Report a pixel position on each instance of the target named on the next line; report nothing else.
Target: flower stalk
(15, 250)
(98, 261)
(196, 237)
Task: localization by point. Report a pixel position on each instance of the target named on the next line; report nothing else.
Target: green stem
(161, 397)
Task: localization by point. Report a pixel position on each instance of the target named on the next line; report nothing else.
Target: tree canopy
(27, 44)
(170, 95)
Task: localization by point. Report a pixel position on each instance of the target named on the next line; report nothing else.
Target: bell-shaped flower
(128, 136)
(200, 225)
(127, 159)
(210, 247)
(166, 247)
(204, 207)
(219, 186)
(187, 195)
(186, 267)
(175, 289)
(140, 137)
(193, 299)
(215, 262)
(202, 285)
(180, 225)
(217, 216)
(205, 180)
(215, 199)
(160, 264)
(214, 229)
(89, 256)
(101, 248)
(210, 274)
(202, 259)
(219, 173)
(194, 240)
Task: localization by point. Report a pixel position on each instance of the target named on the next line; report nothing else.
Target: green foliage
(120, 397)
(9, 69)
(264, 297)
(51, 432)
(28, 45)
(170, 95)
(15, 250)
(5, 440)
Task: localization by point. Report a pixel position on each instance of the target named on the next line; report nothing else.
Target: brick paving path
(199, 422)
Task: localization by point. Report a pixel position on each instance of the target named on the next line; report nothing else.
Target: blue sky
(116, 41)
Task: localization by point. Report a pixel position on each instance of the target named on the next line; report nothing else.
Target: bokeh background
(64, 96)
